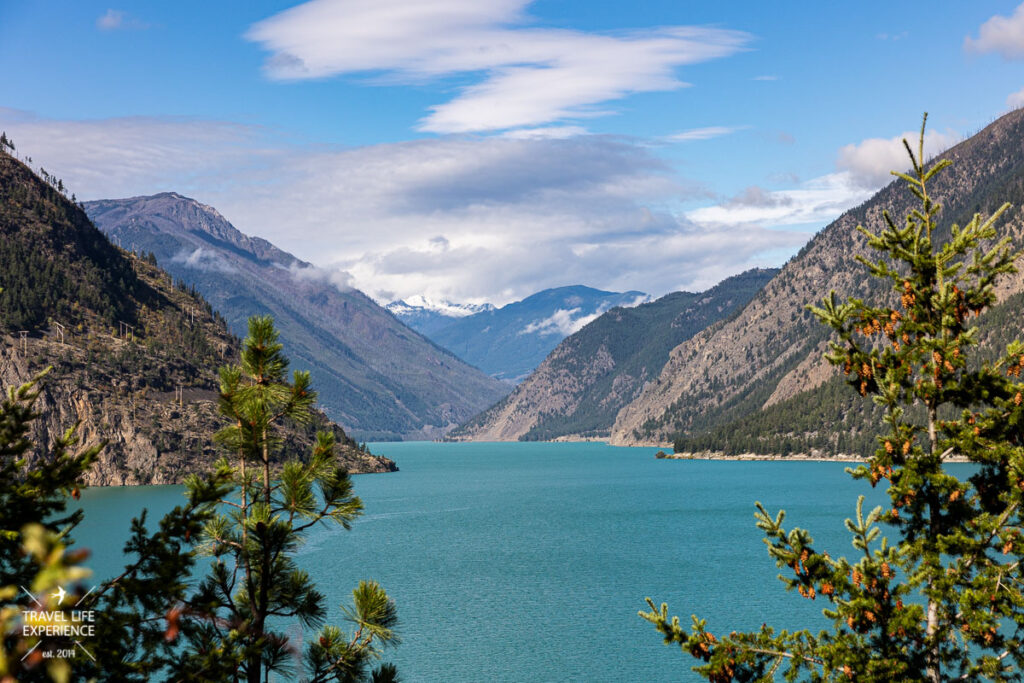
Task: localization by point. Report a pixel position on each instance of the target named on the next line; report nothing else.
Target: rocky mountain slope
(376, 377)
(134, 356)
(509, 342)
(768, 357)
(580, 387)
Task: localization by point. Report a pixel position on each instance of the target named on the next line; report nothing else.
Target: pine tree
(249, 517)
(38, 494)
(252, 545)
(944, 601)
(34, 529)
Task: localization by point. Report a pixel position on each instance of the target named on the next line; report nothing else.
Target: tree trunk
(260, 603)
(934, 509)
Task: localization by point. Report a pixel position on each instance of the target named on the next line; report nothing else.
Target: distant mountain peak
(611, 353)
(441, 306)
(376, 376)
(510, 341)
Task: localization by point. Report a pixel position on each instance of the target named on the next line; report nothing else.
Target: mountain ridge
(769, 353)
(133, 355)
(510, 341)
(378, 378)
(582, 384)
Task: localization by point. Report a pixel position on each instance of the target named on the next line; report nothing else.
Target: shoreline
(795, 457)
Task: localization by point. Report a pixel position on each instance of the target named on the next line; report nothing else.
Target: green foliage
(36, 495)
(252, 543)
(161, 620)
(21, 657)
(943, 601)
(149, 610)
(34, 526)
(55, 263)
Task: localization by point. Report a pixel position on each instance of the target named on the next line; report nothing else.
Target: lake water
(529, 561)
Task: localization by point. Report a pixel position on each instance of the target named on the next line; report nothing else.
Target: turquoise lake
(529, 561)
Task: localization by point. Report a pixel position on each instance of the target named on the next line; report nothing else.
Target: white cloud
(340, 279)
(704, 133)
(560, 322)
(816, 201)
(204, 259)
(568, 321)
(117, 20)
(530, 76)
(1016, 99)
(766, 78)
(553, 132)
(1004, 35)
(862, 169)
(126, 156)
(461, 219)
(871, 161)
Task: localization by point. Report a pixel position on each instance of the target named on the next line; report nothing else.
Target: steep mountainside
(509, 342)
(134, 357)
(376, 377)
(581, 386)
(769, 355)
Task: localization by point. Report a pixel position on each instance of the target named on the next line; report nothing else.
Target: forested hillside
(749, 384)
(134, 355)
(582, 385)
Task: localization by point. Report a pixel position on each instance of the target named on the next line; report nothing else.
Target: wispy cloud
(119, 20)
(704, 133)
(766, 78)
(527, 76)
(561, 322)
(461, 219)
(566, 321)
(340, 279)
(204, 259)
(1002, 35)
(862, 168)
(816, 202)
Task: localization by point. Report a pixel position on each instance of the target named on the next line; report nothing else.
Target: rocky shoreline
(759, 457)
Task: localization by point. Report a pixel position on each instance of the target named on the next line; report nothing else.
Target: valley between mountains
(735, 369)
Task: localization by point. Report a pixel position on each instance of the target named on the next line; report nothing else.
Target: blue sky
(483, 150)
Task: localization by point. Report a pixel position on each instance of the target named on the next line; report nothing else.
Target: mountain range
(758, 382)
(378, 378)
(590, 376)
(132, 356)
(755, 379)
(426, 316)
(510, 342)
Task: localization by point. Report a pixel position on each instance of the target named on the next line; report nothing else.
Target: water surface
(529, 561)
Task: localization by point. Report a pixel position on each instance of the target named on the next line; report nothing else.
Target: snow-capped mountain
(509, 342)
(429, 315)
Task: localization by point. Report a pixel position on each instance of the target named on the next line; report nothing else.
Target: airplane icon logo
(59, 595)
